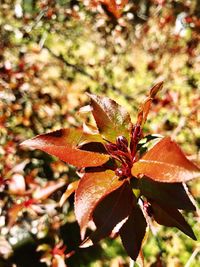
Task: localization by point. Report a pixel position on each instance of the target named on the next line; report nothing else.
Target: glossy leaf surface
(70, 190)
(172, 194)
(165, 162)
(171, 217)
(111, 210)
(133, 231)
(112, 119)
(91, 188)
(64, 144)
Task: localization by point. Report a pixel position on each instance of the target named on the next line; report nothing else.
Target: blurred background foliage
(51, 54)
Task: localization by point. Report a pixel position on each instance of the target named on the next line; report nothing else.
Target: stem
(194, 254)
(132, 263)
(152, 228)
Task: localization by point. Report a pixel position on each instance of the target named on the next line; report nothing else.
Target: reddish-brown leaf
(70, 189)
(64, 144)
(173, 194)
(171, 217)
(58, 261)
(155, 89)
(13, 213)
(144, 109)
(112, 210)
(165, 162)
(112, 119)
(114, 7)
(133, 231)
(44, 192)
(91, 188)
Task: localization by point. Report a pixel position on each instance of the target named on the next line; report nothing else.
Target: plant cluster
(123, 183)
(51, 54)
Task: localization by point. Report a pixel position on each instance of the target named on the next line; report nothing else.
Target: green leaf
(133, 231)
(65, 143)
(165, 162)
(171, 217)
(112, 119)
(173, 194)
(92, 187)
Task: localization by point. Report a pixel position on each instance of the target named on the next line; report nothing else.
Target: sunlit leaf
(165, 162)
(145, 107)
(155, 89)
(58, 261)
(19, 168)
(44, 247)
(64, 144)
(17, 184)
(133, 231)
(70, 189)
(114, 7)
(44, 192)
(91, 188)
(112, 119)
(13, 213)
(111, 210)
(171, 217)
(172, 194)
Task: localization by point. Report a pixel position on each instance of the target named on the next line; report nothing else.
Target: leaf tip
(36, 142)
(157, 87)
(86, 243)
(192, 235)
(27, 143)
(82, 232)
(195, 239)
(91, 96)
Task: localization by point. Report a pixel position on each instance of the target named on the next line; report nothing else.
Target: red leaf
(173, 194)
(112, 119)
(58, 261)
(48, 189)
(64, 144)
(111, 210)
(70, 189)
(171, 217)
(91, 188)
(13, 213)
(154, 90)
(144, 109)
(133, 231)
(165, 162)
(115, 8)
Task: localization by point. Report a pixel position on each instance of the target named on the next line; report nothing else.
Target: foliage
(105, 194)
(52, 52)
